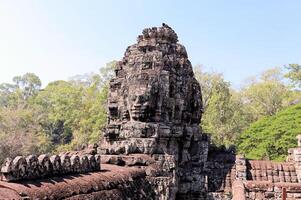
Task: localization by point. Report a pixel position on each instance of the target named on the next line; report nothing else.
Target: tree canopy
(64, 115)
(271, 136)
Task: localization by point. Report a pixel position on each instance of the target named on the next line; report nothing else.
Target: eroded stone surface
(113, 182)
(33, 167)
(155, 108)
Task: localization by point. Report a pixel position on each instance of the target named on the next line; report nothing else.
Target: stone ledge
(113, 182)
(127, 160)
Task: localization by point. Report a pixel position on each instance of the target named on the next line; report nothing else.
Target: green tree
(9, 95)
(62, 102)
(21, 133)
(271, 136)
(93, 113)
(75, 109)
(223, 114)
(29, 83)
(294, 74)
(23, 87)
(267, 95)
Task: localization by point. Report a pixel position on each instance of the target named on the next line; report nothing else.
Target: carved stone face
(153, 83)
(139, 102)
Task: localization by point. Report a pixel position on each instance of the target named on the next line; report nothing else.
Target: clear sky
(58, 39)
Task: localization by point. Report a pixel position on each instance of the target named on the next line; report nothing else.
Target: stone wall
(261, 190)
(270, 180)
(260, 170)
(220, 169)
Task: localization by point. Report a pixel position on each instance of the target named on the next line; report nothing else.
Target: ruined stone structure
(152, 145)
(155, 108)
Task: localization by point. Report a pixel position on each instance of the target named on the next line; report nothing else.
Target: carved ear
(126, 115)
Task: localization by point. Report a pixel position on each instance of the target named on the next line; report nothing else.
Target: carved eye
(140, 99)
(147, 65)
(145, 98)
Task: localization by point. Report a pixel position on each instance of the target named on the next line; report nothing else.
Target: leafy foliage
(23, 87)
(294, 74)
(271, 136)
(224, 117)
(21, 134)
(228, 112)
(266, 96)
(64, 115)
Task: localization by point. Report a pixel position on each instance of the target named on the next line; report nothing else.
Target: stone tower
(154, 108)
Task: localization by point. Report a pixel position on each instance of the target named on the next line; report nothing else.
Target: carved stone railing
(34, 167)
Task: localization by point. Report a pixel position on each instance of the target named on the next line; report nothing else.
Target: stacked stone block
(154, 108)
(255, 190)
(220, 170)
(259, 170)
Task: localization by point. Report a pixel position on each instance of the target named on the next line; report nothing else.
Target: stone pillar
(297, 161)
(297, 158)
(241, 167)
(299, 140)
(238, 190)
(290, 155)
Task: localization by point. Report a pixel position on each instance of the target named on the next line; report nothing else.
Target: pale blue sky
(58, 39)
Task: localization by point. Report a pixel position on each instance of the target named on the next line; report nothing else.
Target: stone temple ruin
(152, 146)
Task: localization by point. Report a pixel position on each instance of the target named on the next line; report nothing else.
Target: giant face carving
(154, 83)
(141, 99)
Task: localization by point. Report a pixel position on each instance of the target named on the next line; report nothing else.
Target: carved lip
(139, 111)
